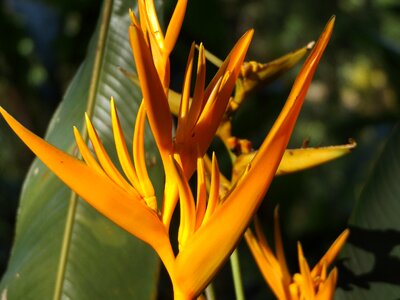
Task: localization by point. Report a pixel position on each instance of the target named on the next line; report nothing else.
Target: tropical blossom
(316, 283)
(128, 198)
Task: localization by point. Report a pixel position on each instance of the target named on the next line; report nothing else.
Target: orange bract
(308, 284)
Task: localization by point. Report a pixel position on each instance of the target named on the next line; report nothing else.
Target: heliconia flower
(254, 75)
(317, 283)
(198, 121)
(205, 241)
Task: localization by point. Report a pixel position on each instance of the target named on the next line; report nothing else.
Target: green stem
(210, 294)
(73, 201)
(237, 277)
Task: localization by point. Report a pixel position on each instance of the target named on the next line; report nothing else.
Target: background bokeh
(355, 94)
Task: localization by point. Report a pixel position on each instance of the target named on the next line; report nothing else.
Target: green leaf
(63, 248)
(371, 259)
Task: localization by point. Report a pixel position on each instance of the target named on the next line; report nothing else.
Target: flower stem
(237, 277)
(210, 294)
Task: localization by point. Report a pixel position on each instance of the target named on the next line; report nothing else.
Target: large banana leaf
(63, 249)
(371, 259)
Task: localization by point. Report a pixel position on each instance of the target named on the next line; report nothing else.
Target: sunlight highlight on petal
(201, 199)
(85, 152)
(140, 159)
(155, 100)
(121, 148)
(105, 160)
(174, 26)
(213, 197)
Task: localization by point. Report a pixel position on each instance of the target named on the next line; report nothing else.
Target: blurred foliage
(355, 94)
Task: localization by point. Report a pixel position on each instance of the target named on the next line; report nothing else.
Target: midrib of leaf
(91, 100)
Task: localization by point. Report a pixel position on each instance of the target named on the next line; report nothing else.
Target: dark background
(355, 94)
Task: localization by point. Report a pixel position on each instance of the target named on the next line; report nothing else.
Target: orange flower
(128, 199)
(308, 284)
(197, 122)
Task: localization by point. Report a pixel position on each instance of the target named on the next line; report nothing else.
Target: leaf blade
(371, 257)
(94, 245)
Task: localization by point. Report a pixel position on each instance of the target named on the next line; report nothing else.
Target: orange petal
(97, 189)
(85, 152)
(198, 94)
(327, 288)
(266, 263)
(188, 212)
(214, 190)
(201, 198)
(300, 159)
(208, 124)
(155, 99)
(324, 271)
(332, 252)
(280, 253)
(121, 148)
(185, 100)
(152, 21)
(105, 161)
(174, 26)
(133, 18)
(307, 288)
(140, 159)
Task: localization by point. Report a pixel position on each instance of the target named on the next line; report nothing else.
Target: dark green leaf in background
(371, 259)
(63, 249)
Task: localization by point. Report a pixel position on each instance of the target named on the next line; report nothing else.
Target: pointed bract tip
(345, 234)
(310, 45)
(331, 23)
(250, 31)
(132, 16)
(112, 103)
(249, 34)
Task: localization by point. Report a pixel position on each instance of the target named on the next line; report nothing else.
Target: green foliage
(63, 248)
(371, 258)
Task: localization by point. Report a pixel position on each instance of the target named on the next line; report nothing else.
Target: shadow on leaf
(370, 256)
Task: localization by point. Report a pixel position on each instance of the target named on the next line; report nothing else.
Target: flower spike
(307, 284)
(193, 141)
(199, 135)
